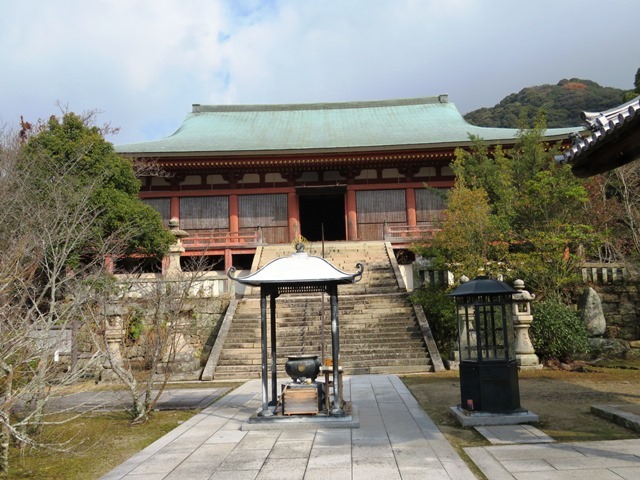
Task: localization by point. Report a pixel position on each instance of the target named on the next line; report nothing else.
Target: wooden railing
(408, 233)
(201, 240)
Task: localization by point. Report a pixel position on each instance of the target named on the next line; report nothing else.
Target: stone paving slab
(626, 415)
(395, 440)
(507, 434)
(615, 459)
(112, 400)
(474, 419)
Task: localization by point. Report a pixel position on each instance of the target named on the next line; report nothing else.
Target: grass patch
(560, 398)
(96, 443)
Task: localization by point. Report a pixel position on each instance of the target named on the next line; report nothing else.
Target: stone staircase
(379, 332)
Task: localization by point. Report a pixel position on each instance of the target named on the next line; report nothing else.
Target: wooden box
(301, 399)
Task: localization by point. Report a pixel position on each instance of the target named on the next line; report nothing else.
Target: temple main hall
(239, 176)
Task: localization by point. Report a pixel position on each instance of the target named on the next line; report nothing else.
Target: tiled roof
(322, 127)
(606, 127)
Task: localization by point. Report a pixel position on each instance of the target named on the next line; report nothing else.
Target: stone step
(249, 365)
(377, 309)
(399, 365)
(344, 320)
(347, 370)
(352, 350)
(415, 349)
(312, 310)
(348, 342)
(352, 334)
(378, 329)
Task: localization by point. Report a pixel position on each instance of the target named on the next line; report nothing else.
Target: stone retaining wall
(619, 292)
(199, 320)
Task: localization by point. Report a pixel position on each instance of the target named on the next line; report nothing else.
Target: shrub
(557, 332)
(136, 326)
(441, 314)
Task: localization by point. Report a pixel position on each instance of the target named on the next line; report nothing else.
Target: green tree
(562, 103)
(67, 202)
(517, 213)
(47, 220)
(496, 178)
(71, 145)
(441, 312)
(464, 243)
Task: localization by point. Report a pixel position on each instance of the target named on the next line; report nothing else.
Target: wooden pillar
(234, 222)
(174, 207)
(293, 211)
(228, 259)
(352, 217)
(410, 196)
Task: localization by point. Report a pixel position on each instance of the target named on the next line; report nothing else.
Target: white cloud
(145, 62)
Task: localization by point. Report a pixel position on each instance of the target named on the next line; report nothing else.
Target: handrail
(198, 240)
(409, 232)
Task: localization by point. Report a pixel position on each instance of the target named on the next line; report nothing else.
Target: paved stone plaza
(395, 440)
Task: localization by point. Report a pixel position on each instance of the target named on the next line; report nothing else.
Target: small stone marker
(591, 313)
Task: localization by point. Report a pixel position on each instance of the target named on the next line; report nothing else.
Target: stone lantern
(113, 333)
(522, 318)
(171, 262)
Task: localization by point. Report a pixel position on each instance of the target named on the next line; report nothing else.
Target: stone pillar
(522, 318)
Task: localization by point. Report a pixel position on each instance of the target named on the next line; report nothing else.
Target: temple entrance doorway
(322, 209)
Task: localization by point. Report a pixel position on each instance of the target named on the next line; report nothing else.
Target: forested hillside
(562, 103)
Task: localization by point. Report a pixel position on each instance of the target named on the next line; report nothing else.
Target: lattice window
(262, 210)
(268, 212)
(374, 207)
(204, 213)
(430, 205)
(162, 205)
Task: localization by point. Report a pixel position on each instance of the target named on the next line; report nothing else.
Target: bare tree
(160, 317)
(67, 202)
(628, 186)
(45, 286)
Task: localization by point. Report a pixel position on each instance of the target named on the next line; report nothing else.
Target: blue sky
(142, 63)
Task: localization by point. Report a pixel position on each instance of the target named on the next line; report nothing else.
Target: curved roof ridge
(626, 109)
(442, 98)
(424, 122)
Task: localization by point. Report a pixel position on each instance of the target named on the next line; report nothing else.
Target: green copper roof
(406, 123)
